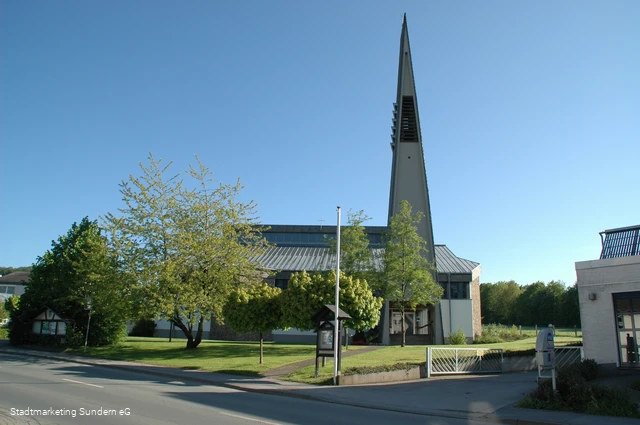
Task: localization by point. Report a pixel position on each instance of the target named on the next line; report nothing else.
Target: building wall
(457, 314)
(163, 329)
(604, 278)
(476, 306)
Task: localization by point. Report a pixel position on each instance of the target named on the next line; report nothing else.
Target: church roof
(320, 259)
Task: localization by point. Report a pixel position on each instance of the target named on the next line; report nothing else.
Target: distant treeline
(6, 270)
(537, 304)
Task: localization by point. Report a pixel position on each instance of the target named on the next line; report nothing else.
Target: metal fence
(566, 356)
(463, 360)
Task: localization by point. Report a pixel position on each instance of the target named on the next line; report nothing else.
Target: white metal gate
(442, 360)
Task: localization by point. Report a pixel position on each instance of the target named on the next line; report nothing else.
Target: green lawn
(414, 354)
(216, 356)
(243, 357)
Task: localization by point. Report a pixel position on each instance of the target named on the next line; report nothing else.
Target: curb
(269, 391)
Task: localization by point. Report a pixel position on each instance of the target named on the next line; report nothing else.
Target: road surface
(43, 391)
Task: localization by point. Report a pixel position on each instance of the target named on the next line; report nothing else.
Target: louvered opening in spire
(408, 124)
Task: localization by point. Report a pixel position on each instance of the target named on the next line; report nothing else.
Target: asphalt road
(71, 393)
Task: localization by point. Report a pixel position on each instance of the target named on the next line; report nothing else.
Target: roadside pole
(336, 330)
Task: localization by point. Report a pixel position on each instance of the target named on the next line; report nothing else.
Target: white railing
(463, 360)
(565, 356)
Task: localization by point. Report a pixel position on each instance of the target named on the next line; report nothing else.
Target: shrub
(4, 333)
(144, 327)
(574, 389)
(611, 402)
(364, 370)
(589, 369)
(493, 333)
(576, 394)
(457, 338)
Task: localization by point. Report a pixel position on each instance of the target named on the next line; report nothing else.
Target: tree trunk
(402, 327)
(185, 330)
(261, 356)
(198, 339)
(188, 332)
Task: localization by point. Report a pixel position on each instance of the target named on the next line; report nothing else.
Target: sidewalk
(489, 397)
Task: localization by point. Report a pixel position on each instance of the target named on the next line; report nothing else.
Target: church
(298, 248)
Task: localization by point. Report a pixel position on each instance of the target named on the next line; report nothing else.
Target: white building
(13, 284)
(609, 293)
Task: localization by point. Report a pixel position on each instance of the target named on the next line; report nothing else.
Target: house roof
(320, 259)
(19, 278)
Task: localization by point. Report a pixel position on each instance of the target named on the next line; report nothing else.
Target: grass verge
(386, 357)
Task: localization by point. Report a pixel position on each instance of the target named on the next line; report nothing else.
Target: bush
(144, 327)
(4, 333)
(493, 333)
(574, 389)
(365, 370)
(576, 394)
(458, 338)
(611, 402)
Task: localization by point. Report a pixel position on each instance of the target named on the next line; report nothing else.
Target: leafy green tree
(355, 255)
(4, 311)
(571, 307)
(254, 308)
(408, 275)
(487, 303)
(77, 268)
(498, 301)
(307, 293)
(547, 304)
(526, 305)
(185, 248)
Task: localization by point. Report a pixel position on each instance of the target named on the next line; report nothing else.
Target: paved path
(490, 398)
(290, 368)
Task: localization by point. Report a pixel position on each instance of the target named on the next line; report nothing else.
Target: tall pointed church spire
(408, 172)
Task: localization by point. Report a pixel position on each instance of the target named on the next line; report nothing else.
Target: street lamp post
(86, 338)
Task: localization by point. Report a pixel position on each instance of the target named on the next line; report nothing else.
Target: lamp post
(336, 329)
(87, 307)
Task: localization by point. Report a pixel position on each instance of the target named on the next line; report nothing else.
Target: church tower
(408, 172)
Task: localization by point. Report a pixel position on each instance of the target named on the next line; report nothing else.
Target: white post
(336, 338)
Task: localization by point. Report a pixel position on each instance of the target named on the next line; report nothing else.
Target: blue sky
(530, 115)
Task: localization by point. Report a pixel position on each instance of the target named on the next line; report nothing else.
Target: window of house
(445, 294)
(282, 283)
(459, 290)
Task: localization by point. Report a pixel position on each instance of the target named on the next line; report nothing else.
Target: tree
(76, 269)
(498, 302)
(571, 307)
(254, 308)
(408, 275)
(185, 249)
(5, 309)
(355, 256)
(547, 304)
(526, 305)
(306, 294)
